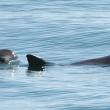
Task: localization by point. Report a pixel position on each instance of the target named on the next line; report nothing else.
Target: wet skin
(7, 56)
(35, 61)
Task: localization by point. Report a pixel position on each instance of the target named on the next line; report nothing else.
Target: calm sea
(62, 32)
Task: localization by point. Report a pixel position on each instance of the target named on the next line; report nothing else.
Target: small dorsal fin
(35, 61)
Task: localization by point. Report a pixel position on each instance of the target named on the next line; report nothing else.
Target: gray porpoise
(7, 56)
(35, 61)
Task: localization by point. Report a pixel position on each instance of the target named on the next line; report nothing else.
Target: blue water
(61, 32)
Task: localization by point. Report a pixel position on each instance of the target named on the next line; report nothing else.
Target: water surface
(61, 32)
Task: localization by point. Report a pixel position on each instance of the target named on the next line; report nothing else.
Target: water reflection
(8, 67)
(7, 71)
(36, 71)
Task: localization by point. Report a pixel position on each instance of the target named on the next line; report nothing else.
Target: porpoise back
(35, 61)
(102, 60)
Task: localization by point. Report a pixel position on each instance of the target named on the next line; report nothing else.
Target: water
(61, 32)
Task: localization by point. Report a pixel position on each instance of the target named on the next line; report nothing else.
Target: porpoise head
(7, 56)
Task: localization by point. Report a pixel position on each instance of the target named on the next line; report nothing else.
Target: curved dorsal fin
(35, 61)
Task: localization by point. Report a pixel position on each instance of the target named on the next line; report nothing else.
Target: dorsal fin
(35, 61)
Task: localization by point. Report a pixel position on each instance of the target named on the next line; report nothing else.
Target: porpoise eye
(2, 60)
